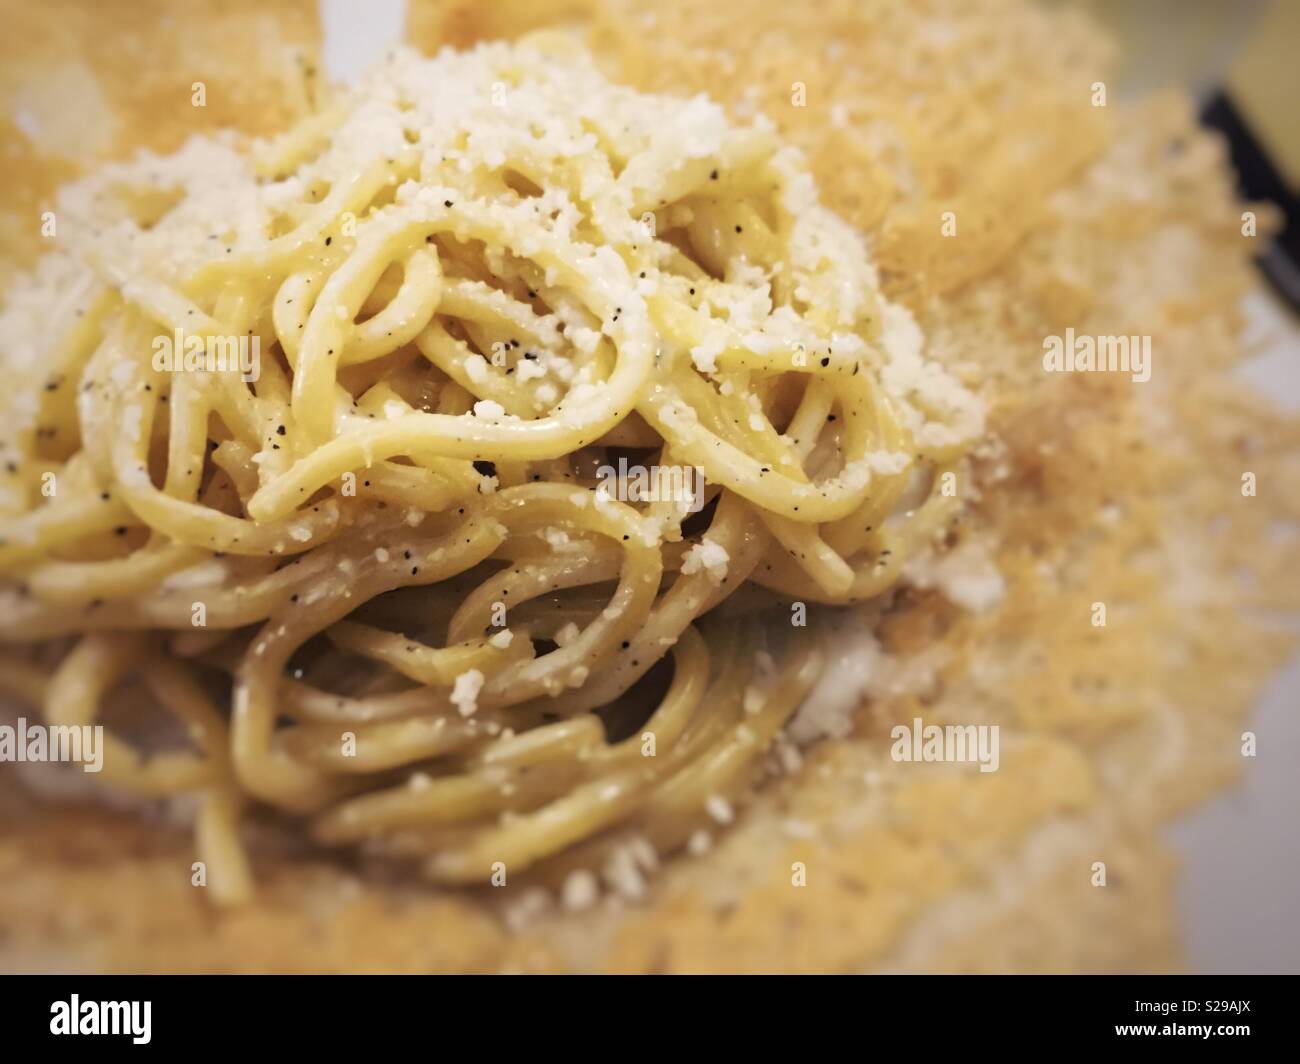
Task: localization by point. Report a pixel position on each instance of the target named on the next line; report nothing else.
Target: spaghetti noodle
(315, 461)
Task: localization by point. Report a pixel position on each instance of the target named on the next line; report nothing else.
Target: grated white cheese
(489, 409)
(700, 843)
(719, 809)
(580, 891)
(966, 576)
(853, 659)
(709, 557)
(464, 692)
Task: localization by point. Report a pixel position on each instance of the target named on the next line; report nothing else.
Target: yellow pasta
(337, 463)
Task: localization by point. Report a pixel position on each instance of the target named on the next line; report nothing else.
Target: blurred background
(1241, 890)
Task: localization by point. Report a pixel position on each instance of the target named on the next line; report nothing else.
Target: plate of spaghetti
(598, 490)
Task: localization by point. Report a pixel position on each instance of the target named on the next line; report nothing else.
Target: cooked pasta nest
(385, 585)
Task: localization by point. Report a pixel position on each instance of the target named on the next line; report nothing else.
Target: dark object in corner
(1257, 179)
